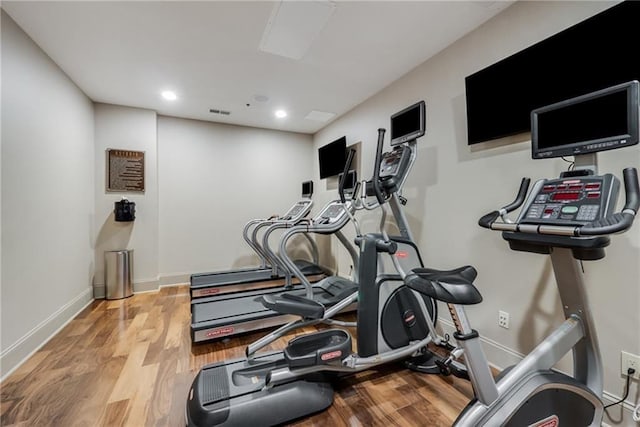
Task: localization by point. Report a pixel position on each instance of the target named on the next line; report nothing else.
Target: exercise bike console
(573, 201)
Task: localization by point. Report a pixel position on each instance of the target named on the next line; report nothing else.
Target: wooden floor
(131, 362)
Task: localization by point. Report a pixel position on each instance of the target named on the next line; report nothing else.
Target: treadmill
(227, 315)
(268, 274)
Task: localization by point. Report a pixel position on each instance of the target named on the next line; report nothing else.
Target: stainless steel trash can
(118, 274)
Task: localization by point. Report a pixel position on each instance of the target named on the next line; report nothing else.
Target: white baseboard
(145, 286)
(138, 287)
(175, 279)
(17, 353)
(500, 356)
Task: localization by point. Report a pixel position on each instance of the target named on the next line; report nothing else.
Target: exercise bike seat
(293, 304)
(467, 271)
(451, 286)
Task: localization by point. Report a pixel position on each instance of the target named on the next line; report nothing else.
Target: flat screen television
(602, 120)
(408, 124)
(307, 189)
(591, 55)
(332, 157)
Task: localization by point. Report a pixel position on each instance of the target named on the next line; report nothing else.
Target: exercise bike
(570, 219)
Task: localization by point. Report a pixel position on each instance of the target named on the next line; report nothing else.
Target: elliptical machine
(569, 218)
(394, 323)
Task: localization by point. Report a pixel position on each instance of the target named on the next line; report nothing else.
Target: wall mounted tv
(602, 120)
(332, 157)
(591, 55)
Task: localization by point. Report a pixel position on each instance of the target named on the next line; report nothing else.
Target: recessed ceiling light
(169, 95)
(281, 114)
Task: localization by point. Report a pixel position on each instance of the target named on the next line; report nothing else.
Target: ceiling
(220, 55)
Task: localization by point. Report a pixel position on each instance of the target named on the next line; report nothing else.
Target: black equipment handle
(388, 247)
(491, 217)
(376, 168)
(620, 221)
(345, 172)
(381, 245)
(631, 189)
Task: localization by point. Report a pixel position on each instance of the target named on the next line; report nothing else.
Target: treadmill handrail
(311, 228)
(255, 244)
(251, 243)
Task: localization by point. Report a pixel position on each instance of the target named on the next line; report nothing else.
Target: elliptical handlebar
(615, 223)
(376, 170)
(487, 220)
(345, 172)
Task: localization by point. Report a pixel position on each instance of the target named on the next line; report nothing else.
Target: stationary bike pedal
(426, 363)
(446, 345)
(459, 370)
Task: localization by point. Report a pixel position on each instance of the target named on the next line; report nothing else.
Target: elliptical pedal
(319, 348)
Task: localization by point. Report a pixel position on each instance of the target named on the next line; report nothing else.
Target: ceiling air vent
(222, 112)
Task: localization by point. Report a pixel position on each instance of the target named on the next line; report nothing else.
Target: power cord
(630, 371)
(571, 163)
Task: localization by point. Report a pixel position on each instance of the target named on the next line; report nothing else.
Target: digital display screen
(597, 121)
(594, 119)
(408, 124)
(307, 188)
(565, 196)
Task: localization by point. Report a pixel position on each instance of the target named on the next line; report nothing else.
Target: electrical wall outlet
(503, 319)
(630, 361)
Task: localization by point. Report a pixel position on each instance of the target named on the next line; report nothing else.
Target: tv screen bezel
(342, 141)
(632, 136)
(412, 135)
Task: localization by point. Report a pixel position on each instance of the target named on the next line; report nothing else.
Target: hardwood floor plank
(141, 402)
(130, 375)
(116, 413)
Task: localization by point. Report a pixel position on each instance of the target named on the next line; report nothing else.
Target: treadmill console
(571, 201)
(393, 166)
(331, 214)
(298, 210)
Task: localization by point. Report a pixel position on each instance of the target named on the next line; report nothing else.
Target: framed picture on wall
(125, 170)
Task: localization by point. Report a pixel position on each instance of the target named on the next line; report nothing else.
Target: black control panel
(392, 167)
(572, 201)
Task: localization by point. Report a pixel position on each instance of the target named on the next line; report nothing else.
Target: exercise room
(320, 213)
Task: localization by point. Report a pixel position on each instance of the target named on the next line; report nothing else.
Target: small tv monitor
(332, 157)
(307, 189)
(598, 121)
(408, 124)
(351, 181)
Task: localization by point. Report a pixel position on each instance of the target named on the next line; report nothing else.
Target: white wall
(135, 129)
(452, 185)
(47, 196)
(213, 178)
